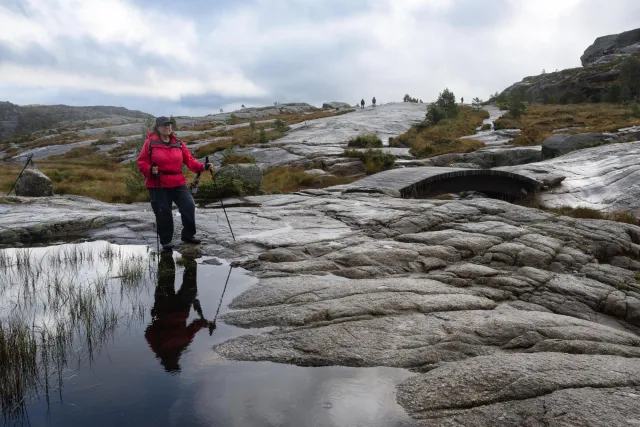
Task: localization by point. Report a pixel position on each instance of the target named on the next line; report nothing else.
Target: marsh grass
(61, 304)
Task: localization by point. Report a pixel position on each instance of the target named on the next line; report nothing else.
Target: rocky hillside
(19, 120)
(607, 74)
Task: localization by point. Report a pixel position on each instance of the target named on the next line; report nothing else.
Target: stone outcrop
(623, 43)
(559, 144)
(334, 105)
(591, 83)
(18, 120)
(602, 178)
(34, 183)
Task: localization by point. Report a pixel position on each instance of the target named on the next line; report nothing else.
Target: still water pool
(96, 334)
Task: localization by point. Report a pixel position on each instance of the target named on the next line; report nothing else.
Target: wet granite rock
(507, 315)
(34, 183)
(559, 144)
(603, 178)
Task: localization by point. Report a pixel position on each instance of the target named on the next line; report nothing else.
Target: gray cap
(162, 120)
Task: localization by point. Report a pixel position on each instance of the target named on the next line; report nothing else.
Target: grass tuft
(427, 141)
(365, 141)
(374, 160)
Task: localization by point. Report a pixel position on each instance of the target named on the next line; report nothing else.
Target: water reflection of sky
(126, 385)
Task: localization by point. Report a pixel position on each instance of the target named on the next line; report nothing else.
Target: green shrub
(635, 109)
(434, 115)
(365, 141)
(486, 126)
(374, 160)
(104, 141)
(235, 158)
(224, 187)
(280, 125)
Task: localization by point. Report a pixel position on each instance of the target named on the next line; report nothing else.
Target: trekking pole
(215, 185)
(155, 178)
(213, 325)
(29, 160)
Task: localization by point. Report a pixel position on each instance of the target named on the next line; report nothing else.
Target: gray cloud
(196, 56)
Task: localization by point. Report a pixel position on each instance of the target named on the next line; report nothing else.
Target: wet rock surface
(506, 315)
(603, 178)
(384, 121)
(559, 144)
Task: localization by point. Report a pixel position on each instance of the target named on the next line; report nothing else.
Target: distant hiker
(373, 101)
(362, 103)
(462, 100)
(161, 160)
(168, 334)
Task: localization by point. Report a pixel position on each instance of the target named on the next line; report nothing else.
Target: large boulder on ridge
(33, 183)
(334, 105)
(559, 144)
(623, 43)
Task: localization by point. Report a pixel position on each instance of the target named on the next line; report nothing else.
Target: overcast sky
(193, 57)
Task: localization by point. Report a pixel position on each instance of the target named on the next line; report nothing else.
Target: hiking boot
(192, 240)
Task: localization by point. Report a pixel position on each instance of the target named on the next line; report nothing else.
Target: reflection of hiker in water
(168, 334)
(373, 101)
(362, 103)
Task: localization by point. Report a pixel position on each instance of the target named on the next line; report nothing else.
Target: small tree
(447, 102)
(263, 135)
(242, 105)
(476, 103)
(280, 125)
(174, 125)
(631, 75)
(221, 110)
(626, 93)
(435, 113)
(252, 126)
(516, 106)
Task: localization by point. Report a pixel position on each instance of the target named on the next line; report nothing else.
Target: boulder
(504, 157)
(249, 173)
(559, 144)
(348, 169)
(334, 105)
(33, 183)
(627, 42)
(317, 172)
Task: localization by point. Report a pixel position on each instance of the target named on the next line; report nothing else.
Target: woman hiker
(161, 160)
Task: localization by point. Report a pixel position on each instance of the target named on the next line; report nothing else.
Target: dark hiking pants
(161, 202)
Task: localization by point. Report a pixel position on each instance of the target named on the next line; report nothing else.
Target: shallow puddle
(99, 334)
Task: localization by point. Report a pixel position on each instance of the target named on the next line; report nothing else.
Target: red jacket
(169, 159)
